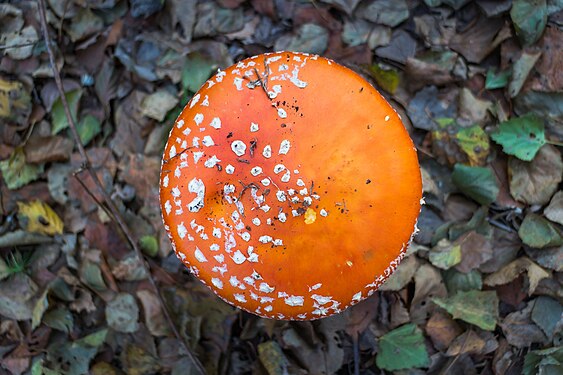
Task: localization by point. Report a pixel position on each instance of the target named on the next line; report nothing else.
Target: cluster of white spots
(267, 152)
(205, 102)
(265, 182)
(357, 297)
(208, 141)
(284, 147)
(254, 127)
(220, 75)
(198, 254)
(179, 124)
(282, 113)
(276, 90)
(265, 288)
(172, 152)
(238, 83)
(286, 176)
(196, 186)
(387, 118)
(197, 156)
(296, 81)
(256, 221)
(323, 212)
(215, 123)
(194, 100)
(282, 217)
(238, 147)
(198, 119)
(217, 283)
(165, 181)
(265, 239)
(256, 171)
(167, 207)
(229, 169)
(182, 230)
(280, 195)
(294, 300)
(315, 287)
(212, 162)
(238, 257)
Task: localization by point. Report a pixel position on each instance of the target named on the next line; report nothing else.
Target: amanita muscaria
(290, 186)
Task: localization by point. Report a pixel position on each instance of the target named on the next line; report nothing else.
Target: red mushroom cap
(290, 186)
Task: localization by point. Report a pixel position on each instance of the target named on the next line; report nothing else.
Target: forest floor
(479, 86)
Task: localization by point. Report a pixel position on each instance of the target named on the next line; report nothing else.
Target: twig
(116, 215)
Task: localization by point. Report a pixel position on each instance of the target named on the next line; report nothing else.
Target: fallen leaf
(554, 211)
(529, 18)
(58, 115)
(157, 104)
(88, 128)
(60, 319)
(521, 136)
(476, 249)
(386, 12)
(547, 313)
(520, 71)
(154, 317)
(39, 309)
(442, 330)
(401, 47)
(428, 285)
(310, 38)
(473, 110)
(402, 275)
(545, 361)
(475, 307)
(497, 80)
(475, 143)
(84, 24)
(122, 313)
(20, 43)
(479, 40)
(478, 183)
(445, 254)
(16, 172)
(519, 329)
(512, 270)
(388, 79)
(402, 348)
(38, 217)
(459, 281)
(49, 149)
(196, 71)
(272, 358)
(535, 182)
(538, 232)
(15, 102)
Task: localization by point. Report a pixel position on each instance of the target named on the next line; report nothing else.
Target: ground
(479, 87)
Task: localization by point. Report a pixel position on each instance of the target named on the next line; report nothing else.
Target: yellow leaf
(38, 217)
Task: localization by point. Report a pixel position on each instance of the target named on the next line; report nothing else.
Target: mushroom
(290, 186)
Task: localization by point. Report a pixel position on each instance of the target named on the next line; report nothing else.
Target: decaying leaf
(538, 232)
(16, 172)
(402, 348)
(475, 307)
(512, 270)
(536, 181)
(38, 217)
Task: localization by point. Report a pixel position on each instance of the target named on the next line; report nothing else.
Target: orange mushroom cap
(290, 186)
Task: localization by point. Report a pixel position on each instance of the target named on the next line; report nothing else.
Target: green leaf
(478, 183)
(545, 362)
(388, 79)
(458, 281)
(475, 307)
(88, 128)
(60, 319)
(445, 255)
(538, 232)
(546, 313)
(94, 340)
(497, 80)
(69, 358)
(522, 136)
(16, 172)
(402, 348)
(475, 143)
(149, 245)
(529, 18)
(197, 70)
(91, 274)
(58, 115)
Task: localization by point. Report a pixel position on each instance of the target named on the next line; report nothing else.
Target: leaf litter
(481, 84)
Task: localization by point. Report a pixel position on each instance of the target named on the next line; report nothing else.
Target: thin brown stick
(116, 215)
